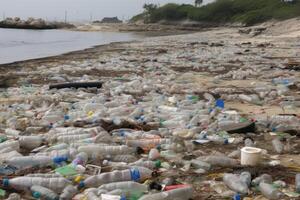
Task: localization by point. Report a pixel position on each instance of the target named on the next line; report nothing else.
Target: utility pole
(66, 16)
(91, 17)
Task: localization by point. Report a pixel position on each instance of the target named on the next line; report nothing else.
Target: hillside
(247, 12)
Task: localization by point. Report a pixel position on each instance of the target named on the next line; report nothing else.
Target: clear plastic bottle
(23, 183)
(95, 149)
(221, 161)
(15, 145)
(124, 158)
(125, 185)
(147, 143)
(80, 159)
(40, 192)
(135, 174)
(146, 163)
(24, 162)
(297, 180)
(278, 145)
(14, 196)
(68, 192)
(185, 193)
(200, 164)
(270, 191)
(73, 138)
(234, 182)
(264, 178)
(30, 142)
(245, 177)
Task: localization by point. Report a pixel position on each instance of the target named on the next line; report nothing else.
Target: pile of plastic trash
(156, 136)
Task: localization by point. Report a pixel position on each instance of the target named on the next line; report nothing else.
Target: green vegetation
(248, 12)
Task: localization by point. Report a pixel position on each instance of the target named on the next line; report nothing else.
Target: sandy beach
(226, 62)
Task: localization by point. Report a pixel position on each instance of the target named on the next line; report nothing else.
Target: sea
(20, 44)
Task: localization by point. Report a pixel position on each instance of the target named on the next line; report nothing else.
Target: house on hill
(113, 20)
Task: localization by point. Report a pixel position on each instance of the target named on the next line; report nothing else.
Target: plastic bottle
(124, 158)
(185, 193)
(146, 163)
(24, 162)
(73, 138)
(80, 159)
(269, 191)
(245, 177)
(217, 139)
(221, 161)
(264, 178)
(126, 185)
(10, 143)
(14, 196)
(23, 183)
(68, 192)
(30, 142)
(200, 164)
(135, 174)
(278, 145)
(40, 192)
(95, 149)
(249, 142)
(147, 143)
(234, 182)
(297, 180)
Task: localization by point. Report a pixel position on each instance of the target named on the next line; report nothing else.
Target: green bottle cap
(157, 164)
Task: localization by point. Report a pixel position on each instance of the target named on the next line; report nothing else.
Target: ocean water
(19, 44)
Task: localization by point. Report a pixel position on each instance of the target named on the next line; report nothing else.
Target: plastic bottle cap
(135, 174)
(157, 164)
(36, 195)
(81, 185)
(66, 117)
(226, 141)
(5, 182)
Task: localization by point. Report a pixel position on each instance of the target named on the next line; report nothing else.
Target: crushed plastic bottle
(270, 191)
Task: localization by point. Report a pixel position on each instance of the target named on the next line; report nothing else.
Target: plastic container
(95, 149)
(30, 142)
(250, 156)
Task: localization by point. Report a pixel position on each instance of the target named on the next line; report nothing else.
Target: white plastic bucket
(250, 156)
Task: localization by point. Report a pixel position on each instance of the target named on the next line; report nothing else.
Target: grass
(247, 12)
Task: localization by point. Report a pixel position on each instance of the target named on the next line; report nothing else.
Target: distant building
(113, 20)
(289, 1)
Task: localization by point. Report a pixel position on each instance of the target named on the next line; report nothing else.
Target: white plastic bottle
(23, 183)
(234, 182)
(40, 192)
(185, 193)
(135, 174)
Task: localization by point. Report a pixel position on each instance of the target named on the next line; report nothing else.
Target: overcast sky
(78, 10)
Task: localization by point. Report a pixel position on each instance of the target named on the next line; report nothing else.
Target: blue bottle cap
(226, 141)
(5, 182)
(36, 195)
(237, 197)
(81, 184)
